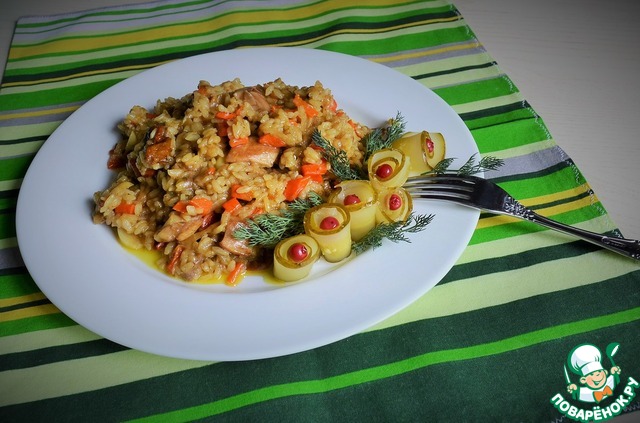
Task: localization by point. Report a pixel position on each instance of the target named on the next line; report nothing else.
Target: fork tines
(444, 187)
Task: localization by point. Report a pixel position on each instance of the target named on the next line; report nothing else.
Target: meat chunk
(178, 227)
(232, 244)
(255, 97)
(254, 152)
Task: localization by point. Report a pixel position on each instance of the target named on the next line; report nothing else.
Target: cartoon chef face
(595, 380)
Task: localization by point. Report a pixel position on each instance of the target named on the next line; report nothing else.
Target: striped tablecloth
(488, 343)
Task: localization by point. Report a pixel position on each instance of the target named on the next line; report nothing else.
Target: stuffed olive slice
(330, 225)
(359, 198)
(394, 205)
(411, 144)
(388, 168)
(425, 149)
(294, 257)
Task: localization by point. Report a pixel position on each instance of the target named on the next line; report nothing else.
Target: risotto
(190, 170)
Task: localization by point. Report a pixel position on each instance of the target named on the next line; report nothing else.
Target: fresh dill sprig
(395, 232)
(485, 163)
(268, 229)
(383, 137)
(375, 140)
(442, 166)
(471, 167)
(340, 166)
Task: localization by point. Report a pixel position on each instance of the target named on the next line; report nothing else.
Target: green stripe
(511, 135)
(475, 90)
(49, 97)
(559, 178)
(15, 283)
(78, 351)
(14, 168)
(395, 369)
(30, 324)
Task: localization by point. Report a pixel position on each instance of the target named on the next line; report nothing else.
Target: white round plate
(84, 271)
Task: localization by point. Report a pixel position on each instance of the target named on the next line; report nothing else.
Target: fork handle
(624, 246)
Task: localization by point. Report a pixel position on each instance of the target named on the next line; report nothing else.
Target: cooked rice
(180, 150)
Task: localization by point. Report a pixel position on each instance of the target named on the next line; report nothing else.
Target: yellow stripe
(431, 52)
(183, 30)
(41, 310)
(39, 113)
(7, 302)
(546, 211)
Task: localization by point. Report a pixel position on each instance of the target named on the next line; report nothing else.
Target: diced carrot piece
(203, 204)
(271, 140)
(225, 115)
(295, 186)
(334, 105)
(211, 171)
(175, 256)
(231, 205)
(181, 206)
(125, 208)
(316, 178)
(246, 196)
(234, 276)
(314, 168)
(234, 142)
(309, 110)
(223, 129)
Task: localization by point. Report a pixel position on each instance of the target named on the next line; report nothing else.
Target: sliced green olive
(388, 168)
(335, 242)
(394, 205)
(294, 257)
(359, 198)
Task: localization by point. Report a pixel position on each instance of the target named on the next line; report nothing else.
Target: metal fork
(479, 193)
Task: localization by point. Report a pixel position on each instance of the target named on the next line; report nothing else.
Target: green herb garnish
(375, 140)
(469, 168)
(340, 166)
(395, 232)
(268, 229)
(383, 137)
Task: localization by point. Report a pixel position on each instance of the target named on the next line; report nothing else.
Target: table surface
(574, 69)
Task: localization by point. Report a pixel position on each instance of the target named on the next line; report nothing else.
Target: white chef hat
(585, 359)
